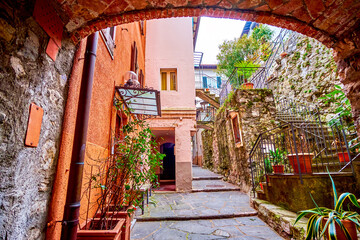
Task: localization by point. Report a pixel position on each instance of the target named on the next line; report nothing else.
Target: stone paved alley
(214, 210)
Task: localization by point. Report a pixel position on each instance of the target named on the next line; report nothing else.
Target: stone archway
(334, 23)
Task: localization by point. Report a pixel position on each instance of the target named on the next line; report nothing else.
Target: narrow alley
(213, 210)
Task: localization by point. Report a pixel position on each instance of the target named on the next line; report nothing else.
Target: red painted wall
(108, 74)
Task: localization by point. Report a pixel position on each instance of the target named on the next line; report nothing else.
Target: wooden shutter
(134, 53)
(218, 82)
(205, 85)
(141, 78)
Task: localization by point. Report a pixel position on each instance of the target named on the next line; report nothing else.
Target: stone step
(225, 189)
(195, 217)
(207, 178)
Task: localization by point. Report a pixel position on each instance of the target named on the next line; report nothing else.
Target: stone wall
(288, 192)
(28, 75)
(256, 110)
(305, 72)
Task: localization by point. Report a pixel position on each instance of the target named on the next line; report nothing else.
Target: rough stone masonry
(28, 75)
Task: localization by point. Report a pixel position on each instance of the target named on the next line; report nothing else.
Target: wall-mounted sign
(34, 125)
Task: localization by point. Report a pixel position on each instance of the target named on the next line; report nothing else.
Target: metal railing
(207, 115)
(260, 76)
(301, 146)
(211, 84)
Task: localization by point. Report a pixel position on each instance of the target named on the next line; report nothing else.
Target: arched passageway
(334, 23)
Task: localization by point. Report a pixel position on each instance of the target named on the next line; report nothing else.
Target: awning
(140, 101)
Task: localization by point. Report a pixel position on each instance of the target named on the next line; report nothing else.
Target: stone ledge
(281, 220)
(202, 217)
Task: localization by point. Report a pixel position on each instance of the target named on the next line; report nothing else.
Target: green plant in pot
(278, 159)
(337, 223)
(131, 165)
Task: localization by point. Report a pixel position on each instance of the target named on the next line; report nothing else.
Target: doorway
(168, 171)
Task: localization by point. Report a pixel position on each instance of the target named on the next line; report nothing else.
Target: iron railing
(207, 115)
(260, 77)
(304, 145)
(211, 84)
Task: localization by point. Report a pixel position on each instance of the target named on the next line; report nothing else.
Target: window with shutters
(218, 82)
(237, 133)
(168, 79)
(205, 84)
(108, 35)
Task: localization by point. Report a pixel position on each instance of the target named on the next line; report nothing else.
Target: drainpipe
(72, 207)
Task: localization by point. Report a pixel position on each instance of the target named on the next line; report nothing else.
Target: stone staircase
(322, 140)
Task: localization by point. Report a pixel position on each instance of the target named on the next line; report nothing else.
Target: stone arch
(334, 23)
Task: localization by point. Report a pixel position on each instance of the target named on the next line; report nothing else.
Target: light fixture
(131, 79)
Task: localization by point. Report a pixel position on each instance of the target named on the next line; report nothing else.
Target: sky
(214, 31)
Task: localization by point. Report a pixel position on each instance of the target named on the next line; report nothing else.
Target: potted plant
(305, 161)
(268, 168)
(332, 223)
(130, 166)
(301, 155)
(277, 157)
(245, 70)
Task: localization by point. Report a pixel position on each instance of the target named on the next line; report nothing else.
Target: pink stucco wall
(169, 45)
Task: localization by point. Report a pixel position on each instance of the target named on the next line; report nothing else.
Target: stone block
(183, 172)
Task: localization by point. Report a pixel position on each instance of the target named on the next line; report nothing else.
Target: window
(168, 79)
(218, 81)
(235, 123)
(205, 85)
(108, 35)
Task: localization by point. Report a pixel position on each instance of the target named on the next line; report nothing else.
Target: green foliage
(268, 167)
(245, 69)
(338, 97)
(308, 47)
(277, 157)
(304, 56)
(246, 48)
(130, 166)
(296, 56)
(262, 33)
(315, 228)
(306, 64)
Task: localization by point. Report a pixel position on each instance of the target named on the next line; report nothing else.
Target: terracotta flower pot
(305, 160)
(113, 233)
(349, 225)
(247, 85)
(278, 169)
(283, 54)
(343, 157)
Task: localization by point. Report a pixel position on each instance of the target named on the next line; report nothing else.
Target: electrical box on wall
(34, 125)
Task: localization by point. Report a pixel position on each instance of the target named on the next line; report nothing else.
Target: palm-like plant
(277, 157)
(316, 229)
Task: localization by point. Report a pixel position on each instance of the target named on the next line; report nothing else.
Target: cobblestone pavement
(205, 214)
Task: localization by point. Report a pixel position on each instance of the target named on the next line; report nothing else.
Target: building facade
(119, 50)
(169, 68)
